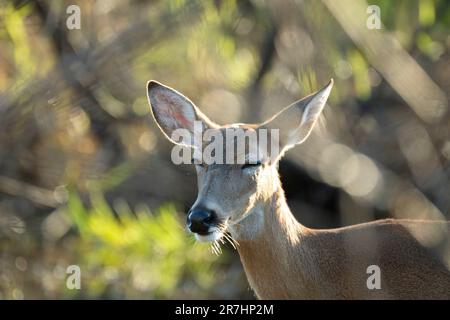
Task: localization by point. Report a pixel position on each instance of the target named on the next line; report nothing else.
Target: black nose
(199, 220)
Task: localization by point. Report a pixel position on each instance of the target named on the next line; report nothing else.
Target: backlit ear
(296, 121)
(172, 110)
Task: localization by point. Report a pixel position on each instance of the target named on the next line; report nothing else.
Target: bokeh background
(86, 177)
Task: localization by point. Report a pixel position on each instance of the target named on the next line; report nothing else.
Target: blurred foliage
(73, 112)
(150, 251)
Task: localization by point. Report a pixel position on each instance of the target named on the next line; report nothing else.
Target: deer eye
(251, 165)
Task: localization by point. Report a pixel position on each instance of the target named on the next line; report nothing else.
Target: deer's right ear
(172, 110)
(296, 121)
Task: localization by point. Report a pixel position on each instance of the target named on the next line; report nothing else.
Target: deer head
(229, 191)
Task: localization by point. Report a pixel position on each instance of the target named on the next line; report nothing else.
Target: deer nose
(199, 220)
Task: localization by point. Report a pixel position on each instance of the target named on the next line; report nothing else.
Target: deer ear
(172, 110)
(296, 121)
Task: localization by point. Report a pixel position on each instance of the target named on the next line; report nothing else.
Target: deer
(282, 258)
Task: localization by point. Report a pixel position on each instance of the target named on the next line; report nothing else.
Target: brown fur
(290, 261)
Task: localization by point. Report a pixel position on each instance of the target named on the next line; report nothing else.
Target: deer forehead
(241, 140)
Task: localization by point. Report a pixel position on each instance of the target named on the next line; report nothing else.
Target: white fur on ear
(295, 122)
(310, 115)
(171, 109)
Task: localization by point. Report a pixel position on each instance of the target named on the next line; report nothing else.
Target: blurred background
(86, 177)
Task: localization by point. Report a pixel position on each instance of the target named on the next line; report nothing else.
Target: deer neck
(270, 246)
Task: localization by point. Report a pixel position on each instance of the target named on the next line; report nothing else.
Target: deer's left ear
(296, 121)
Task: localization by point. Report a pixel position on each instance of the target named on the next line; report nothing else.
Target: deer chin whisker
(222, 229)
(213, 249)
(216, 248)
(219, 236)
(231, 240)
